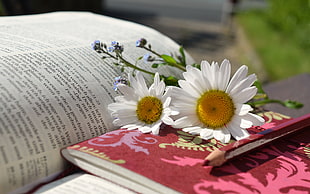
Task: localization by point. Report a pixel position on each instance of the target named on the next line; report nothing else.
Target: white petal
(214, 73)
(139, 84)
(237, 132)
(224, 75)
(237, 77)
(245, 95)
(155, 128)
(193, 130)
(243, 109)
(167, 94)
(207, 74)
(145, 129)
(186, 121)
(115, 106)
(125, 121)
(128, 92)
(255, 119)
(246, 123)
(156, 79)
(158, 87)
(131, 126)
(189, 108)
(194, 76)
(167, 102)
(206, 133)
(186, 86)
(168, 120)
(245, 83)
(222, 135)
(179, 93)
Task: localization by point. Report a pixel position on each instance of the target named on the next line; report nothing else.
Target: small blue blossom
(141, 42)
(119, 80)
(111, 49)
(148, 58)
(116, 47)
(95, 45)
(114, 43)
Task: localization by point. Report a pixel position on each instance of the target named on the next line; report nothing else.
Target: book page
(54, 89)
(81, 184)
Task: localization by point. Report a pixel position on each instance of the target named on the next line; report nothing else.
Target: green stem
(266, 101)
(150, 50)
(177, 66)
(106, 52)
(171, 64)
(128, 64)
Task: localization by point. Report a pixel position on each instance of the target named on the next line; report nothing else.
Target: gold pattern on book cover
(273, 116)
(193, 142)
(96, 153)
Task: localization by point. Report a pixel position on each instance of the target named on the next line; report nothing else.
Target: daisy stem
(263, 102)
(287, 103)
(177, 66)
(107, 53)
(150, 50)
(128, 64)
(173, 64)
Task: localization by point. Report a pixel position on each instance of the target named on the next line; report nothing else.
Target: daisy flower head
(141, 107)
(212, 104)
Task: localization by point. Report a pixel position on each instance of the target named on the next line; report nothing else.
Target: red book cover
(175, 159)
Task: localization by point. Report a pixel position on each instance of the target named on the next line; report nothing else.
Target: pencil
(254, 141)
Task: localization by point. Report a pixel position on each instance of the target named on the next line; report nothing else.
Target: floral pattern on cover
(175, 159)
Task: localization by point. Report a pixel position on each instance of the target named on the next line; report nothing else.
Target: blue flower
(114, 43)
(141, 42)
(119, 80)
(111, 49)
(96, 45)
(148, 58)
(116, 47)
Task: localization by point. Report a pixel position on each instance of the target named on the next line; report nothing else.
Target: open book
(54, 89)
(173, 161)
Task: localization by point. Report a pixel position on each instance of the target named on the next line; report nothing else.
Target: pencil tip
(206, 163)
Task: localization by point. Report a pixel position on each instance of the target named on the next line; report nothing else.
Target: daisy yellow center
(215, 109)
(149, 109)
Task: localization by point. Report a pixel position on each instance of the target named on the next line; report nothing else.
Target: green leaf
(168, 59)
(171, 81)
(260, 96)
(182, 58)
(155, 65)
(259, 87)
(292, 104)
(196, 65)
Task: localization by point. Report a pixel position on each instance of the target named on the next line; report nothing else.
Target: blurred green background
(280, 35)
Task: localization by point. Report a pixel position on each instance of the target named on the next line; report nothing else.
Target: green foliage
(283, 52)
(261, 98)
(291, 17)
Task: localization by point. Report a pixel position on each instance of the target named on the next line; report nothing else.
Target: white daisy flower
(142, 108)
(213, 105)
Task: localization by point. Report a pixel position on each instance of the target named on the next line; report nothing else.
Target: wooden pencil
(256, 141)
